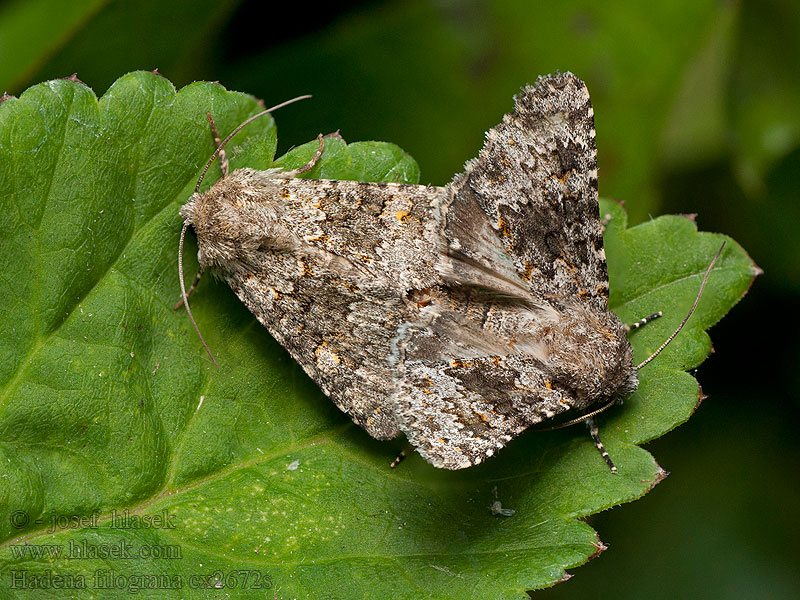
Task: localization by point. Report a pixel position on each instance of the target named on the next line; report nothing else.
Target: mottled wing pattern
(522, 225)
(385, 231)
(338, 331)
(472, 377)
(535, 184)
(325, 266)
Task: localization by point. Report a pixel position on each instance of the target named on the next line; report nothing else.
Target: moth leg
(191, 288)
(590, 422)
(643, 321)
(399, 459)
(310, 164)
(223, 158)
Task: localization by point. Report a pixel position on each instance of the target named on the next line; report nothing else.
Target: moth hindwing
(457, 315)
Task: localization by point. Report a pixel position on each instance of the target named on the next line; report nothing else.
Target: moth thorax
(589, 353)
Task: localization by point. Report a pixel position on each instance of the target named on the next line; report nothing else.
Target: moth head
(215, 243)
(194, 213)
(630, 385)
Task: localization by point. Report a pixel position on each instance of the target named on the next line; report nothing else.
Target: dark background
(697, 107)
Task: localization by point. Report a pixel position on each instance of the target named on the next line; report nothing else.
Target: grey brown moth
(458, 315)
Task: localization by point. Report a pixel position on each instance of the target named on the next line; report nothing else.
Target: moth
(460, 315)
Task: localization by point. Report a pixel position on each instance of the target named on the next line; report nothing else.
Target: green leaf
(108, 403)
(360, 161)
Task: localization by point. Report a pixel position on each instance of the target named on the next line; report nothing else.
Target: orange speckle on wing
(457, 363)
(350, 287)
(528, 270)
(503, 227)
(565, 263)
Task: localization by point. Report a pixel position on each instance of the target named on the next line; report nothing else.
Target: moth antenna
(237, 130)
(580, 419)
(688, 315)
(223, 159)
(184, 296)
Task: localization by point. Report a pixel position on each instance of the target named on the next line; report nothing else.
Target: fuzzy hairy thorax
(232, 224)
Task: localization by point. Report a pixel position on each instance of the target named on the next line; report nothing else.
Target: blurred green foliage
(697, 106)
